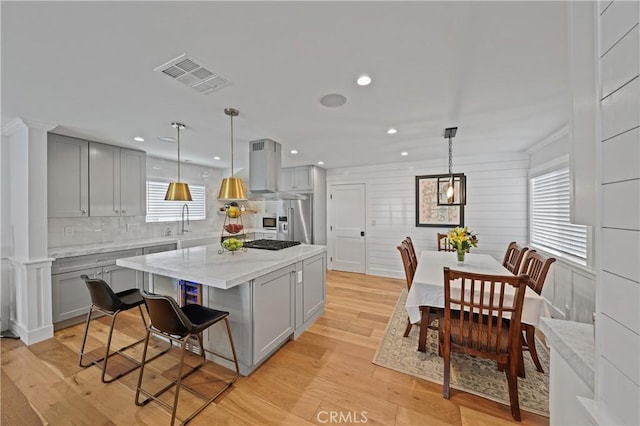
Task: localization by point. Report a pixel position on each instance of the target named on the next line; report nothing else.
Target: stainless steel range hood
(265, 163)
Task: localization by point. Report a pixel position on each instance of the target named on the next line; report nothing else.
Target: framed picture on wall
(428, 212)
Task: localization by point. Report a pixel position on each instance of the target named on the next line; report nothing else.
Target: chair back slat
(444, 244)
(412, 252)
(513, 257)
(536, 266)
(409, 270)
(482, 316)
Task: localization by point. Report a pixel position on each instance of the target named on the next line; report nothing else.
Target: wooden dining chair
(412, 252)
(480, 327)
(513, 257)
(428, 314)
(444, 244)
(536, 266)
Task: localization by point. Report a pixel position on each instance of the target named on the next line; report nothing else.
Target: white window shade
(159, 210)
(550, 228)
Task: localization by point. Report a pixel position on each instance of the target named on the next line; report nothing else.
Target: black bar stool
(105, 301)
(177, 324)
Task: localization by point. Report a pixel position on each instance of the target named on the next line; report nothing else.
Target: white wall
(618, 292)
(105, 229)
(496, 205)
(6, 241)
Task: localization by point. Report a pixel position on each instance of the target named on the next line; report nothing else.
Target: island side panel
(238, 302)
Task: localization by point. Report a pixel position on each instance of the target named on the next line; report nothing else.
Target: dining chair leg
(531, 345)
(408, 329)
(179, 379)
(142, 364)
(512, 382)
(424, 328)
(84, 338)
(446, 355)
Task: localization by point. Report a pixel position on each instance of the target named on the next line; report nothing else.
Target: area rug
(473, 375)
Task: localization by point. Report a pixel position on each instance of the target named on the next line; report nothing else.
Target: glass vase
(460, 254)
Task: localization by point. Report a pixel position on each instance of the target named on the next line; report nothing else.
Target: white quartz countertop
(93, 248)
(204, 265)
(574, 341)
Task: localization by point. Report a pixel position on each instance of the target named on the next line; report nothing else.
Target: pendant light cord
(450, 156)
(178, 127)
(231, 145)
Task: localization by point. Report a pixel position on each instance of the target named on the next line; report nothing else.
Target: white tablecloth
(428, 284)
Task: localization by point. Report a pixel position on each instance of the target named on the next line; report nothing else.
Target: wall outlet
(68, 230)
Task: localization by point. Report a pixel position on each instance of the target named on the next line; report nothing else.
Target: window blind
(159, 210)
(550, 226)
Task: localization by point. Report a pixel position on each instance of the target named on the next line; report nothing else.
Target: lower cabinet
(273, 310)
(310, 290)
(69, 294)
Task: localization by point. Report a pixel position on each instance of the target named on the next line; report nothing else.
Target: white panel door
(104, 180)
(133, 175)
(346, 227)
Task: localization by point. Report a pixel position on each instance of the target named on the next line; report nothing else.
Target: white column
(30, 275)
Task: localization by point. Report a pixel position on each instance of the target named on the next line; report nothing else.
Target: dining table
(427, 288)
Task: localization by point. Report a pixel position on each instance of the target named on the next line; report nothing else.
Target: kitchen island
(271, 296)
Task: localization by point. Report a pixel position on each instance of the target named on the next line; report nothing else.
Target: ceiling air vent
(192, 73)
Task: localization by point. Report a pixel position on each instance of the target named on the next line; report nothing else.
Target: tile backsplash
(64, 232)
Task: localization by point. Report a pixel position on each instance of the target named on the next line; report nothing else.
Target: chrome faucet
(182, 230)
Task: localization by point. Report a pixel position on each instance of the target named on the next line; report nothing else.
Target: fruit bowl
(233, 228)
(233, 212)
(232, 244)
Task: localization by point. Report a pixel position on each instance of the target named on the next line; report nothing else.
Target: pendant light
(452, 188)
(232, 187)
(178, 191)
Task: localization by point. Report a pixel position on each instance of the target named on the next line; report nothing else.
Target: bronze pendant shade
(452, 189)
(178, 191)
(232, 187)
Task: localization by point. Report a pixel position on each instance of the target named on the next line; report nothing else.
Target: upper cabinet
(94, 179)
(68, 176)
(297, 179)
(116, 181)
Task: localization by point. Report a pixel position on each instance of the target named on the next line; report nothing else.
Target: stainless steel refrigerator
(295, 220)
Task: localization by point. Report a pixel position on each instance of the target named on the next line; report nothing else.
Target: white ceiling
(497, 70)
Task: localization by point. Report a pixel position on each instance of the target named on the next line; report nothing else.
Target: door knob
(362, 233)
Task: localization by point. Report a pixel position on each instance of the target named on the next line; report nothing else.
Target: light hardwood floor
(326, 372)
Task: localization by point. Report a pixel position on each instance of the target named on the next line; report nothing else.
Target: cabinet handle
(101, 260)
(98, 273)
(123, 212)
(84, 212)
(116, 211)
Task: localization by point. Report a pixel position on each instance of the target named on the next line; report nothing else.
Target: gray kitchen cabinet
(69, 294)
(117, 181)
(159, 281)
(67, 176)
(310, 291)
(297, 179)
(273, 311)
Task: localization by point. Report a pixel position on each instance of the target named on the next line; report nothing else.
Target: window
(550, 207)
(159, 210)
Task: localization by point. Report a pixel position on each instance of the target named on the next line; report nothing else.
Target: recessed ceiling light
(333, 100)
(392, 131)
(321, 162)
(216, 158)
(363, 80)
(293, 151)
(404, 153)
(166, 139)
(138, 139)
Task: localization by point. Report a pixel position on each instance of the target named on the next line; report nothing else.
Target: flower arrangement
(462, 240)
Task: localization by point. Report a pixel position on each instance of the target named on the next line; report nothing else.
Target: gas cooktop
(270, 244)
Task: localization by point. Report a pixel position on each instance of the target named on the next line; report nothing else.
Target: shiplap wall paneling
(621, 157)
(620, 300)
(620, 18)
(496, 205)
(618, 384)
(619, 66)
(620, 110)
